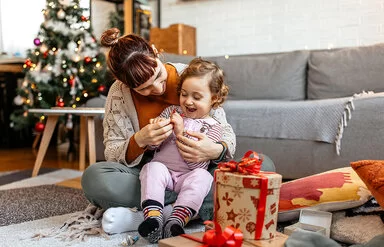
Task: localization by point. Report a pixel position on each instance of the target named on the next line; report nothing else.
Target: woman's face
(196, 97)
(156, 85)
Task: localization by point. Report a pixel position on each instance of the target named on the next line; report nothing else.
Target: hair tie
(115, 41)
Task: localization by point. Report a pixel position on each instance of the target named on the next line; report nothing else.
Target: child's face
(195, 97)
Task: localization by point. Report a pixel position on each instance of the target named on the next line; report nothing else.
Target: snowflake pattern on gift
(244, 214)
(237, 192)
(225, 179)
(250, 182)
(227, 199)
(255, 183)
(220, 219)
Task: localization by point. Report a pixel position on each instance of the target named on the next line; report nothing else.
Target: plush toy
(372, 174)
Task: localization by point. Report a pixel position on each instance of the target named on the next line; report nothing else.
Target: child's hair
(131, 59)
(199, 67)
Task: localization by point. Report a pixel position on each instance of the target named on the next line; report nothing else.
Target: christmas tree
(64, 69)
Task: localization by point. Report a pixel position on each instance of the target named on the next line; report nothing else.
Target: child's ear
(215, 101)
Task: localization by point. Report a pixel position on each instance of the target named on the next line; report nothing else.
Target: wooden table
(87, 121)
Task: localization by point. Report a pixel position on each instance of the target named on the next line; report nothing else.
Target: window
(20, 22)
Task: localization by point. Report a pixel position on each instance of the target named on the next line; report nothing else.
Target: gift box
(277, 241)
(247, 200)
(313, 221)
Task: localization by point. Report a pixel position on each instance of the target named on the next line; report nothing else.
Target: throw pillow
(328, 191)
(372, 173)
(341, 72)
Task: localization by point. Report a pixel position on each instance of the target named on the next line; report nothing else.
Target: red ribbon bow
(247, 165)
(231, 237)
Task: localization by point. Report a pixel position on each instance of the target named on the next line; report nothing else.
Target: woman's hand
(197, 151)
(154, 133)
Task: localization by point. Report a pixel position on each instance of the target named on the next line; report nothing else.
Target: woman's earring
(155, 50)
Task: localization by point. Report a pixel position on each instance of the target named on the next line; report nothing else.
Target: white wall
(259, 26)
(100, 11)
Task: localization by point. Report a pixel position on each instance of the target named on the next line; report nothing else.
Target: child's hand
(178, 123)
(156, 120)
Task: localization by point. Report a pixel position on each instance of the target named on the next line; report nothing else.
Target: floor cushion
(333, 190)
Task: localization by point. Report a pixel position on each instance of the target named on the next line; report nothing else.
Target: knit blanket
(315, 120)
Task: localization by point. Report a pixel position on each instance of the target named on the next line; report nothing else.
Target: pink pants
(192, 186)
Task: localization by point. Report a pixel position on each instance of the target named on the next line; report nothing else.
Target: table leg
(36, 140)
(47, 135)
(91, 140)
(83, 142)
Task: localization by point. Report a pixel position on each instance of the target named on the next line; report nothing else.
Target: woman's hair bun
(110, 37)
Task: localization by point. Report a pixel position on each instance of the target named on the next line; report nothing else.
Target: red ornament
(39, 127)
(72, 81)
(101, 88)
(45, 54)
(83, 18)
(28, 62)
(60, 102)
(87, 59)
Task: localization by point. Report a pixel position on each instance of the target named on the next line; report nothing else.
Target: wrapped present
(247, 198)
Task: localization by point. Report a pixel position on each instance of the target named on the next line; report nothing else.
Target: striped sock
(179, 218)
(151, 227)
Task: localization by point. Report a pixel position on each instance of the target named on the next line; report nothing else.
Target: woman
(143, 89)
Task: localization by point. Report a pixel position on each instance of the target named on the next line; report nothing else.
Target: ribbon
(250, 164)
(247, 165)
(231, 237)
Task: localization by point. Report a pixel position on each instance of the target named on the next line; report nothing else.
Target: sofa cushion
(265, 76)
(344, 72)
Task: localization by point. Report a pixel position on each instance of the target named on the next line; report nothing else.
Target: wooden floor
(56, 157)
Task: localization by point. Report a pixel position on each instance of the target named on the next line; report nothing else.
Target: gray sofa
(299, 107)
(305, 109)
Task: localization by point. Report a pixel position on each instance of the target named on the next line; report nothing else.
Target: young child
(201, 88)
